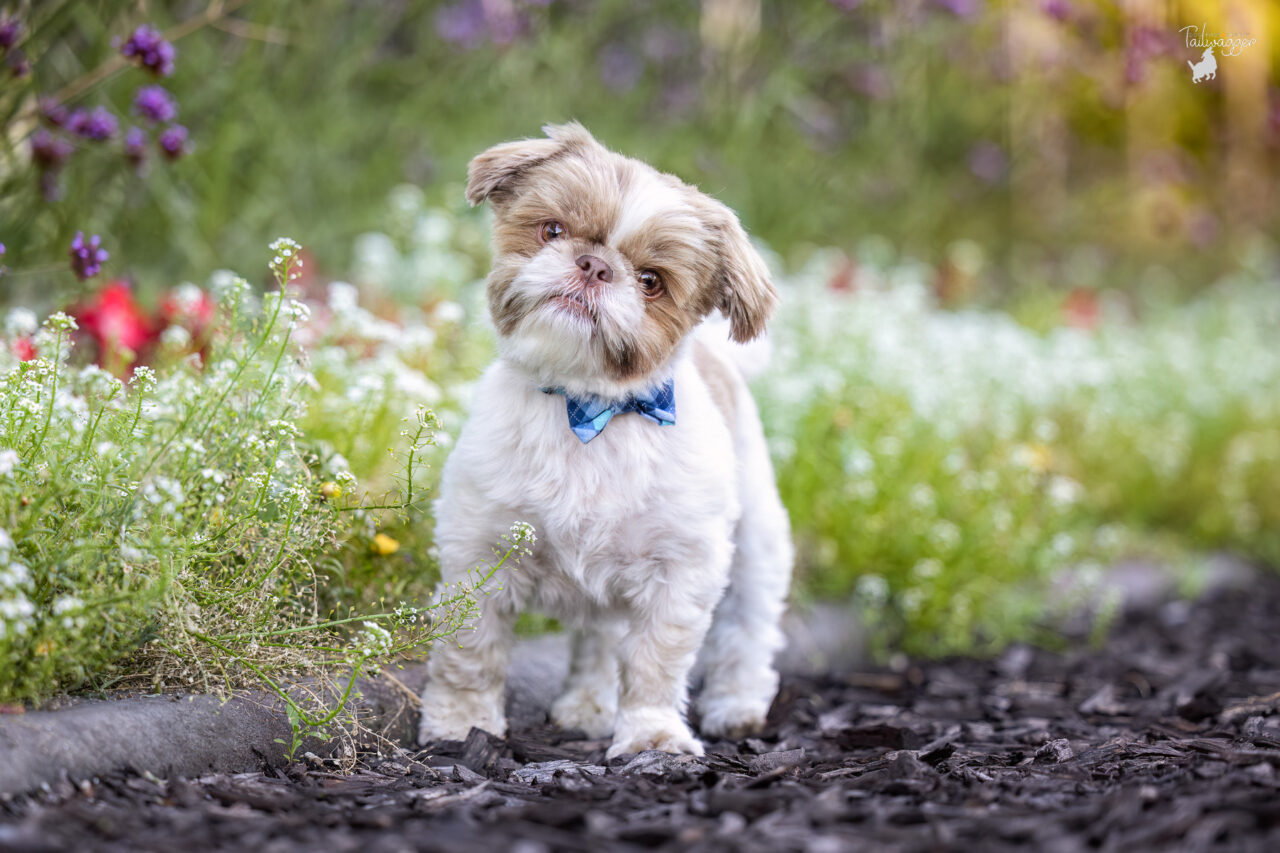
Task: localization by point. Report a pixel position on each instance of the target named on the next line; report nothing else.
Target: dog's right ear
(493, 173)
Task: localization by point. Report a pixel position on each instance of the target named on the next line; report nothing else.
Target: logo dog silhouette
(1206, 68)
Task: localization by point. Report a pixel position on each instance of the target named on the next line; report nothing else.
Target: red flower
(1081, 308)
(24, 349)
(844, 279)
(117, 324)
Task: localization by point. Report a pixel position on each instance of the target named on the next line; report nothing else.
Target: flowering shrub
(178, 528)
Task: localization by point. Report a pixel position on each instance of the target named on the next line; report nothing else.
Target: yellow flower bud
(384, 545)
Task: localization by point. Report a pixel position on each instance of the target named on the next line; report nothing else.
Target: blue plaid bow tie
(588, 416)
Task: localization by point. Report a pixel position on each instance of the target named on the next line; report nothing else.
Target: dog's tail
(750, 358)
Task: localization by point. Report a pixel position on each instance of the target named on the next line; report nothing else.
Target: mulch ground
(1166, 738)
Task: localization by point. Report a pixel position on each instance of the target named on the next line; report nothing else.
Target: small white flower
(374, 640)
(343, 297)
(176, 337)
(297, 312)
(60, 321)
(523, 532)
(872, 589)
(20, 323)
(1064, 491)
(449, 313)
(144, 379)
(284, 428)
(8, 461)
(67, 604)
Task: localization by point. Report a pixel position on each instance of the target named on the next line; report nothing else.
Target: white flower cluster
(144, 379)
(373, 641)
(286, 262)
(20, 323)
(165, 493)
(16, 610)
(520, 537)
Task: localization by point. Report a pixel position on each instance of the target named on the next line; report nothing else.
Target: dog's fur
(648, 530)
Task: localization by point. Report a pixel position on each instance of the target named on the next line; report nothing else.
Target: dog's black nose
(594, 269)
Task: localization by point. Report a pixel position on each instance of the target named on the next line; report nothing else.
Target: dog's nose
(594, 269)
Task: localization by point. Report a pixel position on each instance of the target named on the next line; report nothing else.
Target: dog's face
(602, 265)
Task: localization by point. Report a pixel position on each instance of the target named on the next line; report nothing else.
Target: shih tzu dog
(624, 432)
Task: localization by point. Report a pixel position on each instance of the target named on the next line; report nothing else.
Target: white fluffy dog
(659, 531)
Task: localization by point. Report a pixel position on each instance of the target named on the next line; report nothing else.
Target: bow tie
(588, 416)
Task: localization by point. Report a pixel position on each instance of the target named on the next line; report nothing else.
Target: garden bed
(1165, 737)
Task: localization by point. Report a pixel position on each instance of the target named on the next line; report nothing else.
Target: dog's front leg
(589, 702)
(654, 659)
(466, 676)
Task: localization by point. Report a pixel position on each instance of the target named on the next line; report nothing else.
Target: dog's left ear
(747, 295)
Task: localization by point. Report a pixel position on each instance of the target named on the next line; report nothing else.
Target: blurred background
(1027, 250)
(1012, 145)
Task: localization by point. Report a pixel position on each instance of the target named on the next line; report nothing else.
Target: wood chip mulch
(1165, 738)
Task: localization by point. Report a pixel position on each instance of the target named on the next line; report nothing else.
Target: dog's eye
(651, 284)
(552, 231)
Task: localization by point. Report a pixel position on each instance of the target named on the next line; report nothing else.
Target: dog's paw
(449, 714)
(653, 728)
(731, 717)
(588, 710)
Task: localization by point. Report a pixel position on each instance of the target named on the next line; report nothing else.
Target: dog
(1206, 68)
(617, 424)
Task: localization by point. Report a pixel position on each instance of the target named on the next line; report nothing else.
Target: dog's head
(602, 265)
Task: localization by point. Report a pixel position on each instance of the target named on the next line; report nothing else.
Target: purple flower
(49, 152)
(173, 141)
(1057, 9)
(10, 33)
(135, 146)
(470, 22)
(620, 68)
(18, 64)
(87, 258)
(156, 104)
(961, 8)
(662, 44)
(96, 124)
(148, 46)
(53, 112)
(462, 23)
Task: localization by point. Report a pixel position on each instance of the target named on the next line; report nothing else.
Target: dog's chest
(610, 512)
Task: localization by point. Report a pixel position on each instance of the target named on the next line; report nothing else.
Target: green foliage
(966, 478)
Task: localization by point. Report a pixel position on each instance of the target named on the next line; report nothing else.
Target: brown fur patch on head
(494, 173)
